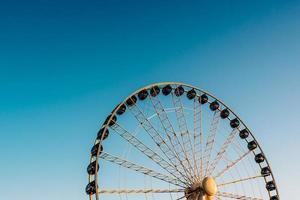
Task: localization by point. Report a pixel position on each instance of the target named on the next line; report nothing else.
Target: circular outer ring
(90, 177)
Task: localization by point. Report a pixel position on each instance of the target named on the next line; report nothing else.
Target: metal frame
(105, 126)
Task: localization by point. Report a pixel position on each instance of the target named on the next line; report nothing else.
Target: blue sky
(64, 65)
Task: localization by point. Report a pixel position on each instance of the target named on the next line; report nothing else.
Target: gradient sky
(64, 65)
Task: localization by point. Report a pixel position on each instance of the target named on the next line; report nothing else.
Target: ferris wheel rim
(159, 84)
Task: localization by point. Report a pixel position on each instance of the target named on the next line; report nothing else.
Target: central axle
(202, 191)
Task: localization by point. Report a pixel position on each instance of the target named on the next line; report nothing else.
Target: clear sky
(64, 65)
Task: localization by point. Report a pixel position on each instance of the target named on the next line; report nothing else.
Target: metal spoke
(237, 196)
(147, 151)
(139, 191)
(157, 138)
(198, 139)
(211, 139)
(141, 169)
(180, 197)
(232, 164)
(239, 180)
(169, 130)
(185, 135)
(222, 151)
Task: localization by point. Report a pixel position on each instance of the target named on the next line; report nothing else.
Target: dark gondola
(214, 105)
(100, 134)
(112, 121)
(143, 94)
(274, 198)
(94, 149)
(131, 101)
(167, 90)
(203, 99)
(191, 94)
(121, 110)
(154, 91)
(179, 91)
(91, 188)
(224, 113)
(259, 158)
(252, 145)
(234, 123)
(244, 134)
(270, 186)
(265, 171)
(91, 169)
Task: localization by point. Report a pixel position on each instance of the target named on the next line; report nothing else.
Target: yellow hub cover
(209, 186)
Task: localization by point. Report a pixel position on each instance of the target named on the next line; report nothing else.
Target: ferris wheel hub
(209, 186)
(202, 191)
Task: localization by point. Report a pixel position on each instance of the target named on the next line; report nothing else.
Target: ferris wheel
(175, 141)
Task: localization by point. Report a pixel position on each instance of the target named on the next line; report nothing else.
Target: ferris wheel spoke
(159, 140)
(236, 196)
(222, 151)
(227, 159)
(135, 167)
(169, 130)
(211, 139)
(237, 147)
(232, 164)
(180, 198)
(138, 191)
(185, 135)
(239, 180)
(146, 150)
(198, 138)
